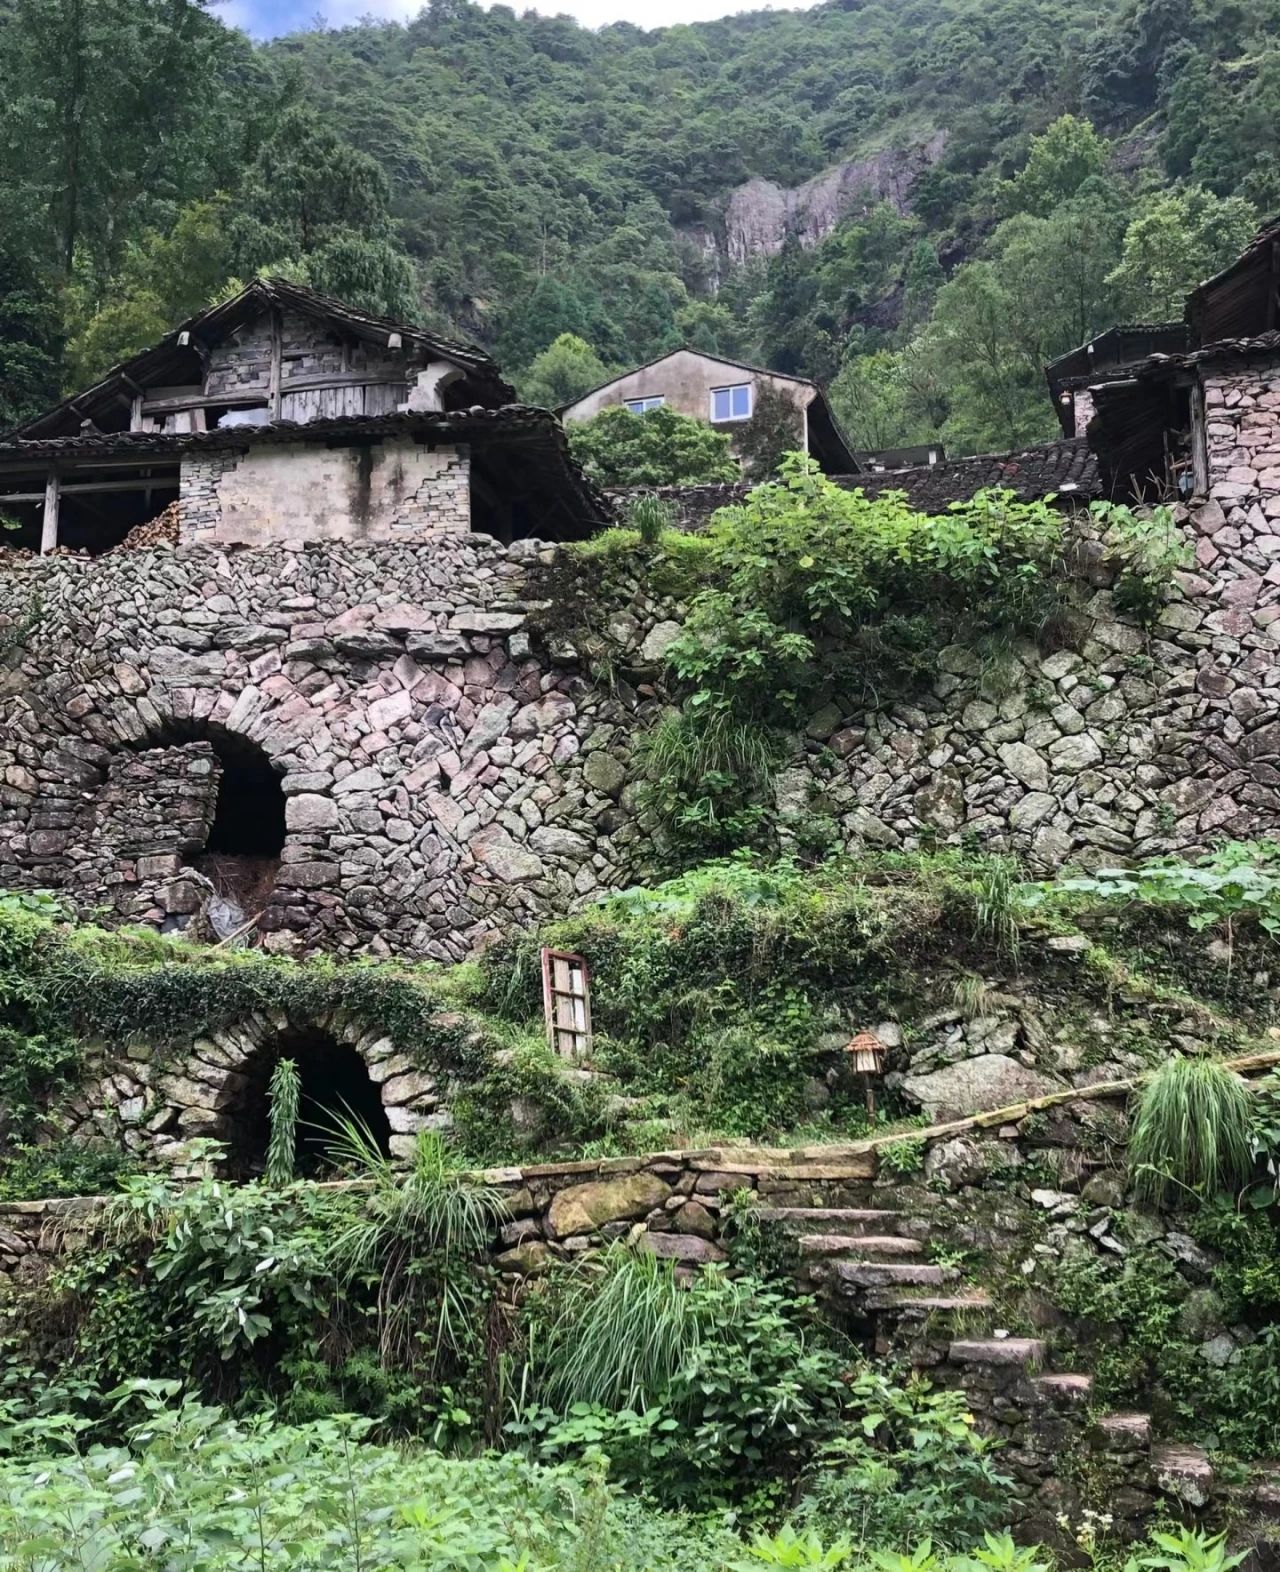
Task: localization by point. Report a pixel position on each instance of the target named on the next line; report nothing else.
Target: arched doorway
(335, 1085)
(236, 847)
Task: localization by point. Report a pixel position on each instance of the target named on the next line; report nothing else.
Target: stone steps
(850, 1220)
(1067, 1388)
(1183, 1472)
(1028, 1353)
(905, 1303)
(1122, 1432)
(869, 1258)
(851, 1276)
(859, 1247)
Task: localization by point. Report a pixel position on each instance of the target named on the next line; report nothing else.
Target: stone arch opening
(335, 1084)
(239, 858)
(248, 817)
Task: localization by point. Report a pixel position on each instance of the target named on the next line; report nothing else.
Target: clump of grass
(997, 906)
(418, 1237)
(1190, 1130)
(973, 996)
(650, 516)
(624, 1331)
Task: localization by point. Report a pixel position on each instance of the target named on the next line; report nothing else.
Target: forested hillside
(1033, 170)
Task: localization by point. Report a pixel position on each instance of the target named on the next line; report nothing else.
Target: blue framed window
(731, 403)
(642, 406)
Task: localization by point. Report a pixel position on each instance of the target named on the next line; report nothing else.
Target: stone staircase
(870, 1265)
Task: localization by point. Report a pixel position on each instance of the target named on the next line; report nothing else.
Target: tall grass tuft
(625, 1329)
(1190, 1130)
(649, 515)
(704, 765)
(418, 1237)
(996, 906)
(283, 1096)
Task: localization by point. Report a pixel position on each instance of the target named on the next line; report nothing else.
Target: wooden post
(49, 525)
(274, 388)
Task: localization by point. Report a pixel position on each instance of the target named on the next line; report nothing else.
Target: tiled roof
(537, 434)
(1066, 469)
(1264, 346)
(456, 424)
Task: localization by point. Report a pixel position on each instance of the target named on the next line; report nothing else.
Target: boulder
(688, 1249)
(992, 1080)
(585, 1208)
(528, 1259)
(659, 638)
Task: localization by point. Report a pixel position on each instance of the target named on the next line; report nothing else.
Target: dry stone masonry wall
(440, 783)
(445, 776)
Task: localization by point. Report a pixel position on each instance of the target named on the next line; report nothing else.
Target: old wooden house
(283, 415)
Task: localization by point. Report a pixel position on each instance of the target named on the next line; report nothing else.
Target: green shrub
(34, 1173)
(706, 1394)
(908, 1456)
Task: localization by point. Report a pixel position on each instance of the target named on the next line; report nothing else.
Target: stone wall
(154, 1102)
(307, 492)
(1013, 1194)
(440, 782)
(447, 775)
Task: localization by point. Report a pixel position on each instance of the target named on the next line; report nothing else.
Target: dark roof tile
(1065, 469)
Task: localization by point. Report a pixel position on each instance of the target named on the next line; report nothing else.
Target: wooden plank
(277, 349)
(49, 523)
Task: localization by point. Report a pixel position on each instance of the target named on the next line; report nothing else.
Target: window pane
(741, 401)
(720, 404)
(635, 405)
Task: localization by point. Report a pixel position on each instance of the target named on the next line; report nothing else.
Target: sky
(266, 18)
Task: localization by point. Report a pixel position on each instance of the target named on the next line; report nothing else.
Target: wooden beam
(49, 523)
(87, 488)
(88, 465)
(277, 350)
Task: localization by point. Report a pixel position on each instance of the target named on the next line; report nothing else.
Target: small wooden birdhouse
(867, 1053)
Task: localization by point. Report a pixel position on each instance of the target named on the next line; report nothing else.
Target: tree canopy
(522, 181)
(661, 448)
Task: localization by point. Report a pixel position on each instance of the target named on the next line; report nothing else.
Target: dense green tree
(514, 178)
(887, 399)
(114, 108)
(1068, 154)
(1176, 239)
(661, 448)
(164, 278)
(29, 334)
(312, 197)
(564, 371)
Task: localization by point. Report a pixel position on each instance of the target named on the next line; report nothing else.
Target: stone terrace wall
(1017, 1191)
(447, 777)
(441, 783)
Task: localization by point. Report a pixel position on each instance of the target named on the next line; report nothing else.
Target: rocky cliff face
(759, 215)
